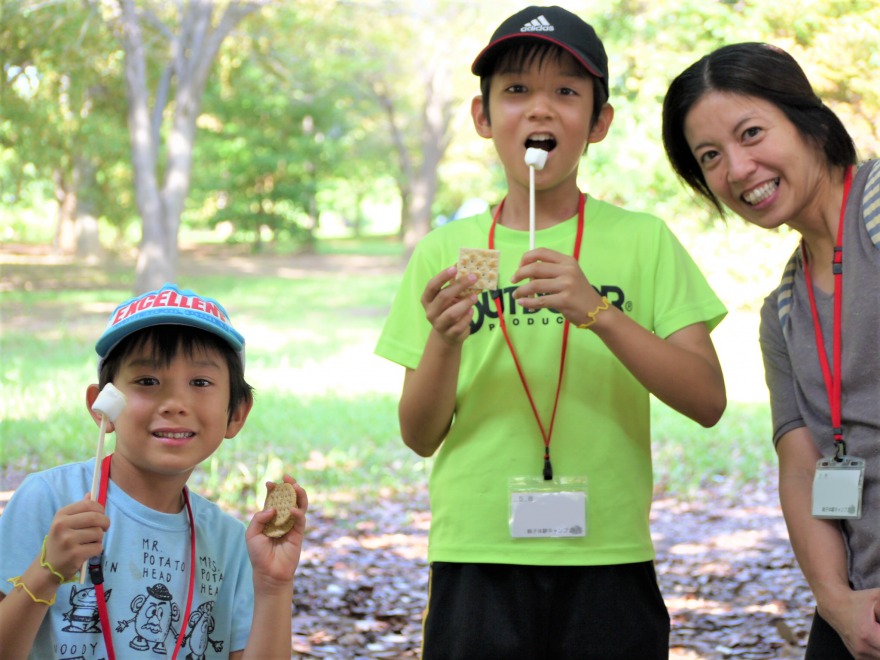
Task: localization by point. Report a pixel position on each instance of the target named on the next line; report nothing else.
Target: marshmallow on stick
(535, 159)
(109, 403)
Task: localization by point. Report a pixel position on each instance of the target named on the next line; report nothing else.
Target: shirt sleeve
(407, 328)
(778, 372)
(683, 296)
(23, 525)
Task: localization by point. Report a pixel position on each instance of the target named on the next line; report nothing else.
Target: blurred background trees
(127, 125)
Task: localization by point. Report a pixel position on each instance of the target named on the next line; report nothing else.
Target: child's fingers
(463, 324)
(299, 517)
(538, 270)
(542, 254)
(436, 283)
(258, 521)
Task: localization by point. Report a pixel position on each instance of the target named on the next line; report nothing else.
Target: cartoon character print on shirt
(153, 617)
(198, 631)
(83, 616)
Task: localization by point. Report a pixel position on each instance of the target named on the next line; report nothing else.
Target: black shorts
(504, 611)
(825, 643)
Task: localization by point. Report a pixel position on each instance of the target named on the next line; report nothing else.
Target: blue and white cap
(168, 306)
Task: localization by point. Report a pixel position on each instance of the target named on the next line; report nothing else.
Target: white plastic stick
(109, 403)
(531, 207)
(535, 159)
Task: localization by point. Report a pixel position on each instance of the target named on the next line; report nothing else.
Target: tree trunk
(419, 185)
(358, 214)
(192, 53)
(88, 244)
(65, 195)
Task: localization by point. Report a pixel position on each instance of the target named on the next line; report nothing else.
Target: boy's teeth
(176, 436)
(760, 194)
(541, 141)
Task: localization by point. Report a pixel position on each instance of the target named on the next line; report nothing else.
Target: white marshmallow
(536, 158)
(110, 402)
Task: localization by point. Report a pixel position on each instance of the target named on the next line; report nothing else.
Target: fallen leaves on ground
(724, 564)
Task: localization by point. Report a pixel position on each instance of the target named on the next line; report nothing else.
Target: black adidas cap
(556, 25)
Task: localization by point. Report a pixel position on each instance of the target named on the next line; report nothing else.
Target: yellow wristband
(601, 308)
(16, 582)
(46, 564)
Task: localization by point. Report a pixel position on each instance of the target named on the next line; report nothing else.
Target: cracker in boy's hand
(483, 264)
(282, 497)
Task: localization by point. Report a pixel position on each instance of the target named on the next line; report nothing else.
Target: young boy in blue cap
(533, 553)
(166, 566)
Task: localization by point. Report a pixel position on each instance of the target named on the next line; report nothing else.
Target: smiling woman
(744, 129)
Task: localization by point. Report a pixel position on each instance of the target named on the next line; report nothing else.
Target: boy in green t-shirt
(534, 555)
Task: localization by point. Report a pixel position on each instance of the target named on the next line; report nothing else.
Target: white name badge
(837, 488)
(548, 509)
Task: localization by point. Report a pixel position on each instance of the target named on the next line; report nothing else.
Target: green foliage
(293, 126)
(62, 123)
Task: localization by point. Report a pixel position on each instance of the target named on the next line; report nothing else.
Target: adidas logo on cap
(539, 24)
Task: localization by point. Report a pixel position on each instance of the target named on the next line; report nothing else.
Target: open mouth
(173, 436)
(761, 193)
(543, 141)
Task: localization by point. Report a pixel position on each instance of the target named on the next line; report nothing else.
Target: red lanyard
(548, 468)
(832, 381)
(97, 574)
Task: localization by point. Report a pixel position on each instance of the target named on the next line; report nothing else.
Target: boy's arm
(20, 616)
(427, 403)
(682, 370)
(76, 533)
(818, 546)
(274, 562)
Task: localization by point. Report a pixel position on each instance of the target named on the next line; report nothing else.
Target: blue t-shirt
(146, 574)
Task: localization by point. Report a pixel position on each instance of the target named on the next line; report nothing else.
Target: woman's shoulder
(777, 305)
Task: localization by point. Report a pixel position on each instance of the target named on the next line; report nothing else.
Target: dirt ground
(724, 563)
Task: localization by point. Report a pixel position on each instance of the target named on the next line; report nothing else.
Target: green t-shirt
(602, 427)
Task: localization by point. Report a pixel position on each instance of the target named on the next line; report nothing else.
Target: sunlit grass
(326, 408)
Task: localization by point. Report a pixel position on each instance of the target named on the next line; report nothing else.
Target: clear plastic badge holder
(837, 487)
(558, 508)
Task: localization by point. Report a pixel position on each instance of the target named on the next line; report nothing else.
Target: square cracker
(483, 264)
(282, 497)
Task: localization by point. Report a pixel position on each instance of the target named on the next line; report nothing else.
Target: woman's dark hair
(762, 71)
(165, 343)
(520, 55)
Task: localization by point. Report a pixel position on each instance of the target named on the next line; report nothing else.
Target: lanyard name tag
(837, 488)
(548, 509)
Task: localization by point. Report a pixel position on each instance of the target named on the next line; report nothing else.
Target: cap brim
(483, 57)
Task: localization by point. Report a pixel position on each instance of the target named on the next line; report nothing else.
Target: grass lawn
(326, 408)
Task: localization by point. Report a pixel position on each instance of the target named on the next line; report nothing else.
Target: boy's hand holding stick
(110, 403)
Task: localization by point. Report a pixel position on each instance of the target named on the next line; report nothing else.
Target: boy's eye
(567, 91)
(200, 382)
(147, 381)
(516, 89)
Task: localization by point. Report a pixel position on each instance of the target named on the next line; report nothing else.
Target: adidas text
(539, 24)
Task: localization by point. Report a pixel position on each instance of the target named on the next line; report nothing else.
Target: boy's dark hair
(166, 342)
(762, 71)
(520, 54)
